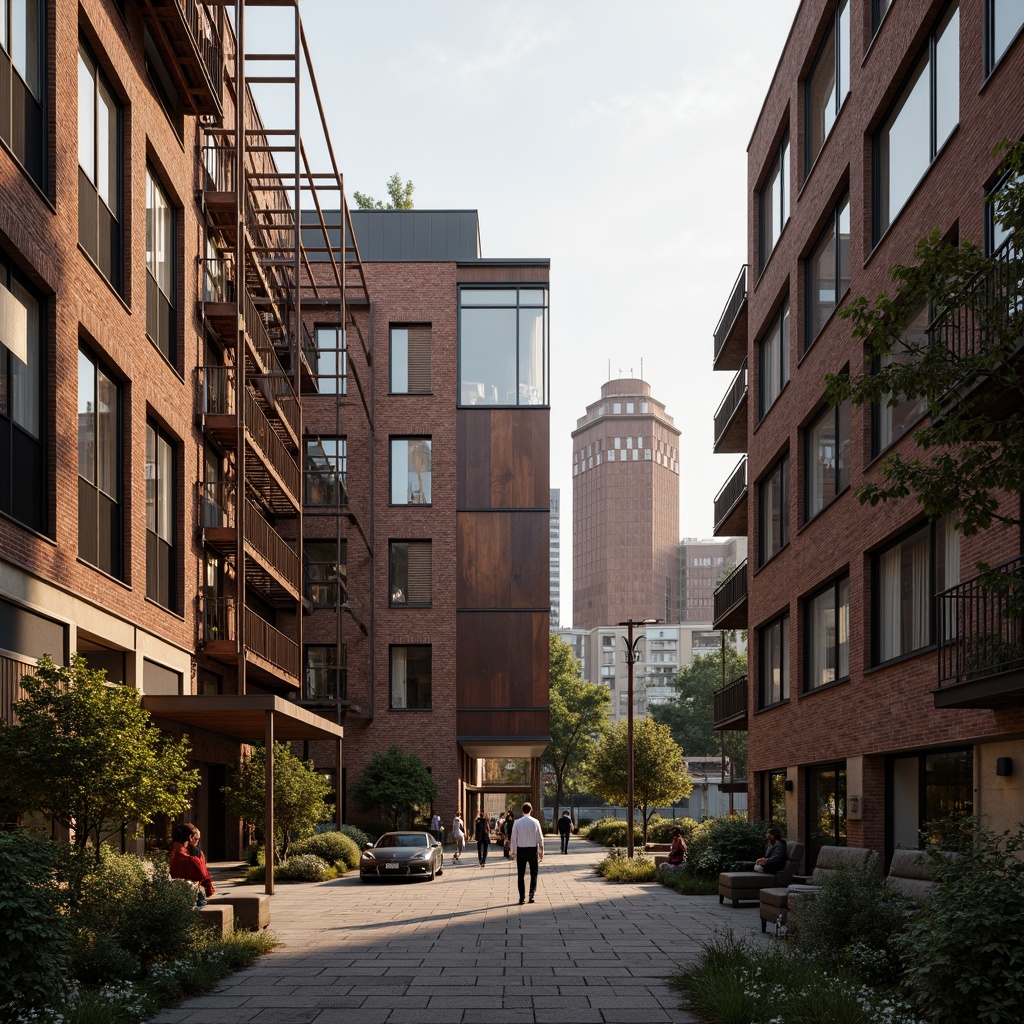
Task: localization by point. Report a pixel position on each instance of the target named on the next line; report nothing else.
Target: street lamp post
(630, 657)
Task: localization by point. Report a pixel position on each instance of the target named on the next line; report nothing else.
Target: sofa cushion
(832, 858)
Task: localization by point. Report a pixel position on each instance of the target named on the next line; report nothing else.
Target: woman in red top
(187, 860)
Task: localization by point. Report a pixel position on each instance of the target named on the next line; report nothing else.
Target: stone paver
(460, 949)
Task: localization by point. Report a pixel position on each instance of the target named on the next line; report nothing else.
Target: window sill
(882, 665)
(824, 686)
(103, 572)
(174, 369)
(824, 327)
(772, 707)
(28, 529)
(775, 248)
(32, 181)
(999, 63)
(402, 710)
(878, 29)
(410, 606)
(170, 611)
(782, 391)
(765, 564)
(824, 143)
(821, 511)
(892, 444)
(106, 280)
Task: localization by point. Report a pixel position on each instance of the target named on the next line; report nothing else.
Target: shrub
(961, 954)
(357, 835)
(660, 829)
(33, 933)
(688, 884)
(716, 844)
(616, 867)
(254, 854)
(854, 911)
(582, 823)
(611, 832)
(330, 847)
(305, 867)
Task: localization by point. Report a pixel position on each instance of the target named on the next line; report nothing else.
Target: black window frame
(332, 669)
(764, 691)
(161, 308)
(835, 586)
(918, 409)
(340, 353)
(831, 231)
(162, 552)
(336, 566)
(24, 117)
(428, 475)
(879, 9)
(780, 326)
(779, 171)
(339, 473)
(781, 467)
(424, 338)
(841, 473)
(771, 792)
(399, 597)
(392, 706)
(992, 60)
(837, 61)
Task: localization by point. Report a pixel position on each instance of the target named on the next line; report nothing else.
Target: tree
(299, 792)
(964, 370)
(399, 191)
(659, 772)
(691, 712)
(86, 754)
(396, 782)
(579, 714)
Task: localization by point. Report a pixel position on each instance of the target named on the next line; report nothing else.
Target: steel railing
(204, 35)
(732, 491)
(216, 505)
(737, 297)
(731, 700)
(271, 644)
(734, 397)
(732, 590)
(272, 546)
(215, 390)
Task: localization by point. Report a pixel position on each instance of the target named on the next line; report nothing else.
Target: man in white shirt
(527, 846)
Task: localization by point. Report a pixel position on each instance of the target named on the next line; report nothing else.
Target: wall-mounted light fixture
(788, 785)
(1004, 766)
(854, 808)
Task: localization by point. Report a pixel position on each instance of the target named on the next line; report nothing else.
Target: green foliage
(691, 712)
(967, 453)
(659, 830)
(716, 844)
(87, 755)
(299, 794)
(330, 847)
(399, 192)
(33, 932)
(961, 954)
(855, 908)
(396, 782)
(618, 868)
(579, 714)
(610, 832)
(357, 835)
(659, 772)
(686, 883)
(305, 867)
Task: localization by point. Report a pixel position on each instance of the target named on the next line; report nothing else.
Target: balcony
(218, 185)
(731, 706)
(731, 504)
(187, 40)
(981, 640)
(270, 656)
(731, 599)
(731, 417)
(731, 332)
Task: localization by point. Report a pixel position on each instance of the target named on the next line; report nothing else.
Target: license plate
(390, 867)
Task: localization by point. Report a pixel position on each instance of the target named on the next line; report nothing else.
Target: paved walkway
(460, 950)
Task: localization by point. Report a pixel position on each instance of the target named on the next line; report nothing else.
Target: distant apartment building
(555, 555)
(703, 564)
(625, 512)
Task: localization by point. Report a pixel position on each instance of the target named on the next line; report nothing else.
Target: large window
(907, 576)
(1003, 22)
(410, 359)
(331, 360)
(23, 83)
(99, 466)
(410, 677)
(410, 470)
(773, 361)
(99, 169)
(503, 346)
(829, 82)
(924, 116)
(409, 567)
(326, 571)
(927, 790)
(161, 558)
(324, 471)
(895, 415)
(828, 271)
(826, 458)
(827, 635)
(775, 798)
(773, 662)
(326, 672)
(773, 512)
(774, 202)
(24, 480)
(161, 323)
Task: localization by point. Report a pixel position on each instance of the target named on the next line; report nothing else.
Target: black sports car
(401, 855)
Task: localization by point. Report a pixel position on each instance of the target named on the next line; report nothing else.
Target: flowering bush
(330, 847)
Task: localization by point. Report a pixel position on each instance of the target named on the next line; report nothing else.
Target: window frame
(781, 468)
(836, 588)
(424, 338)
(841, 445)
(840, 51)
(339, 473)
(161, 327)
(31, 149)
(764, 667)
(923, 66)
(419, 600)
(780, 328)
(336, 671)
(392, 706)
(779, 173)
(393, 468)
(992, 61)
(831, 232)
(339, 563)
(162, 547)
(340, 352)
(917, 410)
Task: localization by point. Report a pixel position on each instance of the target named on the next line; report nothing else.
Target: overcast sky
(609, 137)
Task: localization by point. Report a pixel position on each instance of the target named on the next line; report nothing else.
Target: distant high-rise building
(625, 508)
(555, 558)
(702, 566)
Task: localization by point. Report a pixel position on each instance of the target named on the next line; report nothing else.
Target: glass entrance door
(826, 809)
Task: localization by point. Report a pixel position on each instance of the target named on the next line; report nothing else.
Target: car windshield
(403, 839)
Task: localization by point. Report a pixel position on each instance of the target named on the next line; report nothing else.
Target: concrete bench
(217, 919)
(251, 911)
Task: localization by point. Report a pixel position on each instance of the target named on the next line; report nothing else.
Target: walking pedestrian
(506, 832)
(482, 835)
(527, 843)
(564, 827)
(458, 835)
(435, 826)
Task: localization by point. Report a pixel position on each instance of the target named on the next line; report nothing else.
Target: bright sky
(609, 137)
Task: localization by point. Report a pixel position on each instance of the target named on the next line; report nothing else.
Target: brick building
(195, 490)
(879, 126)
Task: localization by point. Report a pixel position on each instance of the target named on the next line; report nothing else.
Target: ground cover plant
(617, 867)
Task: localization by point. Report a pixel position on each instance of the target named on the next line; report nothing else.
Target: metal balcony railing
(204, 35)
(732, 590)
(981, 625)
(734, 397)
(731, 701)
(215, 390)
(218, 279)
(732, 491)
(271, 644)
(270, 446)
(273, 549)
(216, 618)
(216, 505)
(737, 297)
(219, 166)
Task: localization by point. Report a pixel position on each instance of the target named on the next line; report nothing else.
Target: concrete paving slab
(460, 948)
